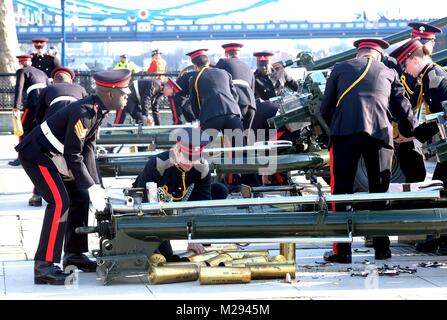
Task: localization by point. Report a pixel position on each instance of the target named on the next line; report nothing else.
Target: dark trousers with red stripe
(67, 206)
(345, 153)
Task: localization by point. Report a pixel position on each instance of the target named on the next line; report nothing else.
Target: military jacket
(215, 95)
(145, 93)
(181, 99)
(25, 78)
(245, 88)
(162, 170)
(75, 127)
(370, 105)
(433, 91)
(270, 86)
(46, 62)
(57, 95)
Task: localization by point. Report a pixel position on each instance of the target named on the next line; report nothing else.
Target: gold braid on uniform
(408, 92)
(165, 188)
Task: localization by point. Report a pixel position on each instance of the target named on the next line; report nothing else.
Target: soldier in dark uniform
(29, 82)
(411, 160)
(52, 98)
(180, 103)
(179, 171)
(415, 59)
(144, 99)
(360, 94)
(243, 80)
(43, 60)
(59, 158)
(214, 102)
(62, 92)
(213, 96)
(270, 78)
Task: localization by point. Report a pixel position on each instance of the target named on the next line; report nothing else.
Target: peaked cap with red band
(63, 70)
(424, 31)
(174, 85)
(405, 50)
(232, 46)
(156, 51)
(263, 55)
(24, 57)
(375, 44)
(45, 40)
(197, 53)
(191, 141)
(114, 79)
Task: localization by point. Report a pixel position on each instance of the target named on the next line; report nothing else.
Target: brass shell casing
(288, 250)
(224, 275)
(157, 260)
(222, 248)
(277, 271)
(278, 258)
(246, 261)
(185, 263)
(173, 274)
(217, 260)
(204, 256)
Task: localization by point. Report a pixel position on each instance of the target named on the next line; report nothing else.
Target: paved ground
(20, 228)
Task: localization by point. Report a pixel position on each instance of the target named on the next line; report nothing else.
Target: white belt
(241, 82)
(36, 86)
(135, 85)
(63, 98)
(50, 136)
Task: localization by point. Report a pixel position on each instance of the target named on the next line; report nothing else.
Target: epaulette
(163, 165)
(433, 79)
(203, 167)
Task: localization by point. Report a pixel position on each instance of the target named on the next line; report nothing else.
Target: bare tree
(8, 38)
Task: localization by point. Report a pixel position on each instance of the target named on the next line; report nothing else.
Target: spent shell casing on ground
(235, 254)
(272, 263)
(224, 275)
(157, 259)
(217, 260)
(204, 256)
(248, 254)
(246, 260)
(173, 274)
(279, 257)
(222, 248)
(185, 263)
(277, 271)
(288, 250)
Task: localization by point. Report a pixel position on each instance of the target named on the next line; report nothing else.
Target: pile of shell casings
(224, 265)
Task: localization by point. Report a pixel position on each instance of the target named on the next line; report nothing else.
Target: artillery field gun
(130, 231)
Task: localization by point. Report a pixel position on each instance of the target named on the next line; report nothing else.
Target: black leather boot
(430, 245)
(382, 254)
(79, 260)
(48, 273)
(14, 163)
(330, 256)
(343, 254)
(35, 201)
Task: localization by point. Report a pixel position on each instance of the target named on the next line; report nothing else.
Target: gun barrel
(394, 38)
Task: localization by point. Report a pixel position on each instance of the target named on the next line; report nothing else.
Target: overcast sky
(311, 10)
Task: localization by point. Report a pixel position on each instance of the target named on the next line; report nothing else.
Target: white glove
(97, 197)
